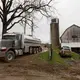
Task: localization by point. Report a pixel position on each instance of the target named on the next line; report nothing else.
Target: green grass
(44, 56)
(75, 56)
(57, 59)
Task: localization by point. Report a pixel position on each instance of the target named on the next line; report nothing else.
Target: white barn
(71, 38)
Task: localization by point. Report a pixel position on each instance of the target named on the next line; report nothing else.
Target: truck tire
(30, 50)
(40, 49)
(37, 50)
(33, 50)
(9, 56)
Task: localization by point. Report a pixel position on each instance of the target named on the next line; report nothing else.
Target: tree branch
(1, 9)
(9, 4)
(19, 12)
(1, 17)
(14, 24)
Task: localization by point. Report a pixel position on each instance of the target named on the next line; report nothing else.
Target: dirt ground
(31, 67)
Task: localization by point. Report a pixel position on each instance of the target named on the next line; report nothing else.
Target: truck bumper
(2, 53)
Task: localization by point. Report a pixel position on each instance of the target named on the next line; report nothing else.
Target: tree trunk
(4, 30)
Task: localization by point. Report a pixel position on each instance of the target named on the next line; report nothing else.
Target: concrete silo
(54, 33)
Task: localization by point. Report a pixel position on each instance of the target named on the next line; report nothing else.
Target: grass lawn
(57, 59)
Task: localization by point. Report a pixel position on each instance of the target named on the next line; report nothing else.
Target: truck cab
(11, 46)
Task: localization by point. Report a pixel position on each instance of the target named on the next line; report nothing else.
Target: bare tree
(13, 11)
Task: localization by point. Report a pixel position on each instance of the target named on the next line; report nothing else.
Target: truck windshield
(9, 37)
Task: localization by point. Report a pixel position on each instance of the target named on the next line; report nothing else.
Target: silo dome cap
(55, 20)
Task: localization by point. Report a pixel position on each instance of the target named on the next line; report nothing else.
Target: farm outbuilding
(71, 38)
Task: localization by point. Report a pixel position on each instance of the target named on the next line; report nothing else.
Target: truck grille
(6, 43)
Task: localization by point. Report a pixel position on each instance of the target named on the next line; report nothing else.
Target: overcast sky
(69, 14)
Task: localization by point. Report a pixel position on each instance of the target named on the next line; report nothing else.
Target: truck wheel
(30, 50)
(40, 49)
(9, 56)
(33, 50)
(37, 50)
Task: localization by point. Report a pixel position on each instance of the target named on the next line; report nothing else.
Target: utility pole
(25, 26)
(25, 21)
(32, 28)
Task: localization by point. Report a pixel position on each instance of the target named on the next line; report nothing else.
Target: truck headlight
(3, 49)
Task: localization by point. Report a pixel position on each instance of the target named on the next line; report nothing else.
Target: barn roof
(69, 28)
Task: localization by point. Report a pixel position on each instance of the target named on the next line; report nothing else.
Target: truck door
(17, 41)
(20, 39)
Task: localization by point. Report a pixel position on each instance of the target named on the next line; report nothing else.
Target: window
(9, 37)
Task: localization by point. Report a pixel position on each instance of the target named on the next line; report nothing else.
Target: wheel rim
(9, 57)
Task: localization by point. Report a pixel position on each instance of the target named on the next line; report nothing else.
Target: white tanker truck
(13, 44)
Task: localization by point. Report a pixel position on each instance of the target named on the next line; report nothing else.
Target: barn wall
(72, 34)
